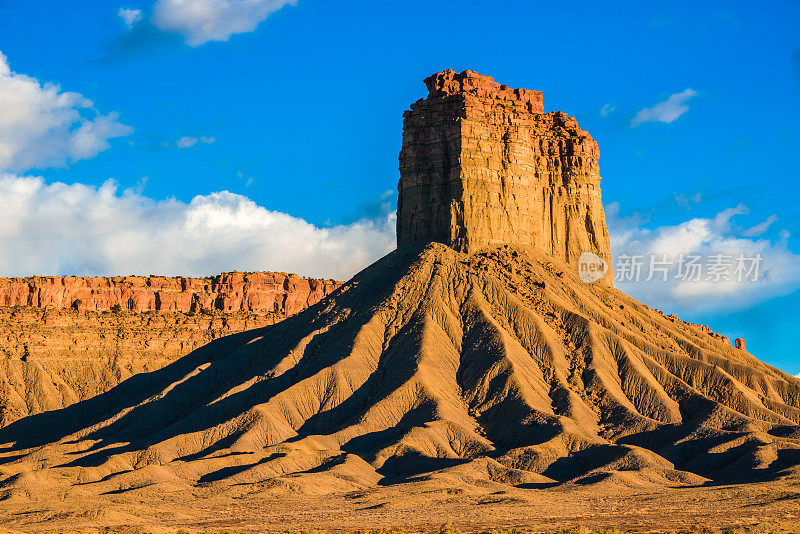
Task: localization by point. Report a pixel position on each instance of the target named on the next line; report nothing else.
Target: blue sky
(295, 109)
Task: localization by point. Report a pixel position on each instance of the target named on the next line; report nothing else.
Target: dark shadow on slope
(105, 478)
(396, 366)
(412, 465)
(48, 427)
(328, 464)
(579, 463)
(227, 472)
(367, 445)
(538, 485)
(594, 478)
(735, 465)
(96, 459)
(221, 444)
(786, 431)
(126, 490)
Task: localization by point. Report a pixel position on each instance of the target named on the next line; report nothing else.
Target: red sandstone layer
(60, 344)
(259, 292)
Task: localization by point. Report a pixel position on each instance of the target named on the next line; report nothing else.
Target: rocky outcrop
(482, 164)
(259, 292)
(701, 327)
(60, 342)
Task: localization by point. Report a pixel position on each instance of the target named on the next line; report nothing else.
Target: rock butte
(484, 373)
(482, 165)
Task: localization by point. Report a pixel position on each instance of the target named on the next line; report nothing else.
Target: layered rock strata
(259, 292)
(482, 164)
(60, 342)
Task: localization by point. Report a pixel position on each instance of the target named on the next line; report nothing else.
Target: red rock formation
(449, 82)
(740, 344)
(482, 164)
(59, 343)
(702, 328)
(260, 292)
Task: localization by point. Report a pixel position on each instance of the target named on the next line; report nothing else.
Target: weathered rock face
(267, 292)
(482, 164)
(60, 344)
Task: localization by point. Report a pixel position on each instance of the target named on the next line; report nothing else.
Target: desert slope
(498, 366)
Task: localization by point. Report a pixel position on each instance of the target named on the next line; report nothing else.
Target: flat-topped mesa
(259, 292)
(482, 164)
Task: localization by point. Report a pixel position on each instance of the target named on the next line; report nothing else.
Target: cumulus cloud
(79, 229)
(130, 16)
(41, 126)
(666, 111)
(201, 21)
(731, 270)
(188, 142)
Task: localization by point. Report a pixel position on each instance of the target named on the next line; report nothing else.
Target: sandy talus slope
(499, 366)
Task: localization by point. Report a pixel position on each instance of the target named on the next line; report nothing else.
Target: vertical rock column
(482, 164)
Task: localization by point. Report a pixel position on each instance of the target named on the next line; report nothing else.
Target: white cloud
(606, 110)
(188, 142)
(687, 202)
(722, 220)
(78, 229)
(708, 239)
(667, 111)
(41, 126)
(201, 21)
(761, 228)
(130, 16)
(248, 180)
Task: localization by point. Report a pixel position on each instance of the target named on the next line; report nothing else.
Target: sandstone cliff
(234, 291)
(60, 343)
(483, 164)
